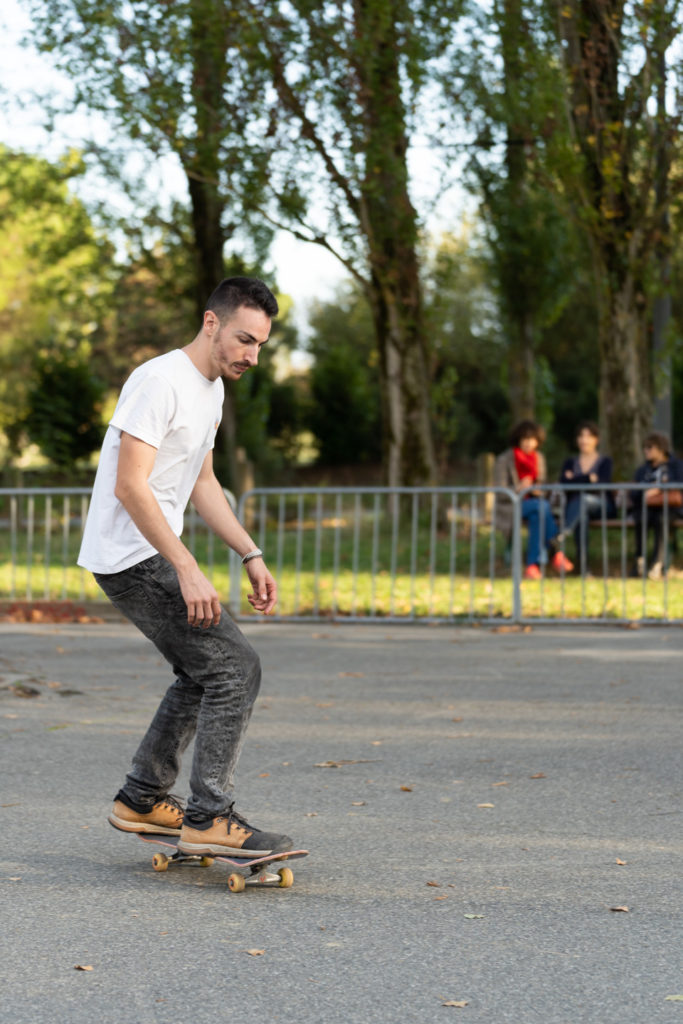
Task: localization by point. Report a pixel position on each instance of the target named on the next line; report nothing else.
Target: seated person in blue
(660, 467)
(588, 467)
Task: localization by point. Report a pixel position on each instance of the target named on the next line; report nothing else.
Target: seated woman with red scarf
(519, 468)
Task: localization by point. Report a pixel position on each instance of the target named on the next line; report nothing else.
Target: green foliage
(468, 404)
(64, 405)
(344, 412)
(511, 93)
(153, 300)
(467, 400)
(269, 409)
(56, 276)
(176, 78)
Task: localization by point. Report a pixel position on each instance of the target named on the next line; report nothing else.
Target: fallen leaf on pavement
(406, 789)
(436, 885)
(455, 1002)
(83, 967)
(486, 805)
(623, 910)
(621, 861)
(255, 952)
(673, 999)
(473, 917)
(538, 775)
(22, 690)
(500, 783)
(338, 764)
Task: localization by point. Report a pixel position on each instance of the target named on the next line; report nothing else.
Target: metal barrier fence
(379, 554)
(451, 554)
(40, 536)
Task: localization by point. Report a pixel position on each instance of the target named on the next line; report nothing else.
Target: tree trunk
(625, 390)
(207, 210)
(389, 223)
(201, 163)
(521, 393)
(517, 297)
(618, 221)
(409, 457)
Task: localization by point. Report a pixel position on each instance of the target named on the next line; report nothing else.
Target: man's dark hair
(527, 428)
(590, 426)
(234, 292)
(659, 440)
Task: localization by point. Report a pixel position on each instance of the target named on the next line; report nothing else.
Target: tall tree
(511, 93)
(174, 78)
(348, 79)
(615, 54)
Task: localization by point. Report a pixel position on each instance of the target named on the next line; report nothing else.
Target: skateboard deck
(249, 871)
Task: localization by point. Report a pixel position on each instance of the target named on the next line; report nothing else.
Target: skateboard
(249, 871)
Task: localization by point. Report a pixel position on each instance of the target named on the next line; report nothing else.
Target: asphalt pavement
(493, 819)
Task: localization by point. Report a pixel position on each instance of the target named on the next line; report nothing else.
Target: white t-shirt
(170, 405)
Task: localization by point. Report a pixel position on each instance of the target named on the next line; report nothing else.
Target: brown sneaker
(230, 835)
(165, 818)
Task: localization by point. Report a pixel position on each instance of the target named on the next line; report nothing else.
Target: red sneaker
(560, 562)
(532, 572)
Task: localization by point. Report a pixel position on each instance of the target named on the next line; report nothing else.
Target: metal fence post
(516, 557)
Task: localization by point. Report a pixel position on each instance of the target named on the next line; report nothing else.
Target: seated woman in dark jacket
(588, 467)
(660, 467)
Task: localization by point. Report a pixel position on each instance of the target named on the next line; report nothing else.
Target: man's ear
(211, 322)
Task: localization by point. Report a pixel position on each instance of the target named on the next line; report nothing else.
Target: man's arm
(209, 500)
(136, 461)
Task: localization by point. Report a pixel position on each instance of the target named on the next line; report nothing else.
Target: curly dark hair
(659, 440)
(527, 428)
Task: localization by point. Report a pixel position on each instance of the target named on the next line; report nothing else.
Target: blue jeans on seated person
(578, 513)
(538, 516)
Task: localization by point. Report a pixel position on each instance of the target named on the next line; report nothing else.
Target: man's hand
(264, 596)
(203, 606)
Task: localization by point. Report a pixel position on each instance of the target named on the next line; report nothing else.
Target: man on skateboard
(157, 456)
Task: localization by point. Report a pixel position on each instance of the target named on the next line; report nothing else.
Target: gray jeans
(218, 675)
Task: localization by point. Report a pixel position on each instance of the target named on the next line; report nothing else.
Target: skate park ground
(494, 821)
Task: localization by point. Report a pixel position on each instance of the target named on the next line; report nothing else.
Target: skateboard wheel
(236, 883)
(286, 878)
(160, 862)
(206, 862)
